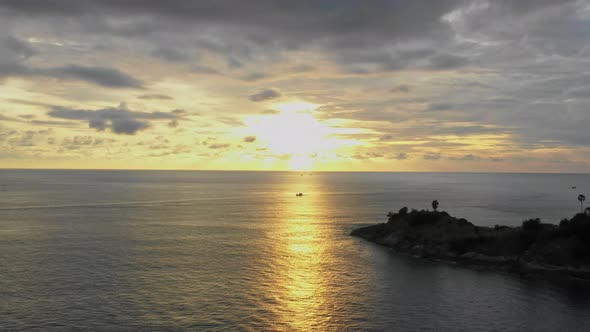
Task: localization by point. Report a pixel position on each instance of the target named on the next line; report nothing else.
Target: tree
(435, 205)
(581, 198)
(531, 225)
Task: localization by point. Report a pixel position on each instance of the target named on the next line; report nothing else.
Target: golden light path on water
(302, 280)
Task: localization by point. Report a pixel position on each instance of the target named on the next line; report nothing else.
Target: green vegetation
(436, 234)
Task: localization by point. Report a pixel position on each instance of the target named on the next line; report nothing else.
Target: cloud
(105, 76)
(367, 155)
(218, 146)
(439, 107)
(431, 156)
(467, 157)
(155, 96)
(447, 61)
(170, 54)
(250, 139)
(13, 50)
(386, 138)
(254, 77)
(402, 88)
(120, 120)
(14, 54)
(128, 126)
(270, 111)
(79, 142)
(401, 156)
(420, 76)
(267, 94)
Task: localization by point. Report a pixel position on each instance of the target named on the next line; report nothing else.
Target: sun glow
(294, 133)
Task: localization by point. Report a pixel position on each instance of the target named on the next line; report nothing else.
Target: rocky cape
(534, 248)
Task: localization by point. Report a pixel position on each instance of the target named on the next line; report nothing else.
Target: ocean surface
(225, 251)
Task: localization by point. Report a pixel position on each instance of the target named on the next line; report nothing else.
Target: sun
(293, 133)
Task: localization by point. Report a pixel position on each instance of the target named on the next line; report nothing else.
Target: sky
(326, 85)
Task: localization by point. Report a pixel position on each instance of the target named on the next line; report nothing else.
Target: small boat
(299, 194)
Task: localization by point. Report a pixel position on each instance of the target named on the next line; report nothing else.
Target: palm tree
(582, 198)
(435, 205)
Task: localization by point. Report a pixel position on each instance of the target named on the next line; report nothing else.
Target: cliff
(534, 247)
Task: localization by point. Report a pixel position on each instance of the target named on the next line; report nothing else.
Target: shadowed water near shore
(122, 250)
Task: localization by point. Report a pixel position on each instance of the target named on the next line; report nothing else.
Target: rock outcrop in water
(560, 250)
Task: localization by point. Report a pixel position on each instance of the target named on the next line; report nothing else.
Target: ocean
(85, 250)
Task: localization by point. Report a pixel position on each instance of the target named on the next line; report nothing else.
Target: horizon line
(263, 170)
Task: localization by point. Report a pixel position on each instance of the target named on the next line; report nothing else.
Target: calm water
(176, 251)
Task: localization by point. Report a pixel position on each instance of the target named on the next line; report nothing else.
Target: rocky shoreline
(533, 248)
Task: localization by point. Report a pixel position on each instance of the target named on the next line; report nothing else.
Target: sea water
(221, 251)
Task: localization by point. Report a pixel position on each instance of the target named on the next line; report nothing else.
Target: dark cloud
(105, 76)
(128, 126)
(401, 156)
(120, 119)
(266, 94)
(13, 50)
(14, 54)
(250, 139)
(170, 54)
(448, 61)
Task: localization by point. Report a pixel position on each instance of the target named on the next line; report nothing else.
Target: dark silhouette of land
(533, 248)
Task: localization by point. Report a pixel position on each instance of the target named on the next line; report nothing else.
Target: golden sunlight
(293, 133)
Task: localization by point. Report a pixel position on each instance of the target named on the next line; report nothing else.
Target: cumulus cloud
(120, 120)
(266, 94)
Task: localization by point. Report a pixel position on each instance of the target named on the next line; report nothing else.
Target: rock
(562, 250)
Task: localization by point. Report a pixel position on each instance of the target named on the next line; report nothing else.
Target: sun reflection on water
(301, 279)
